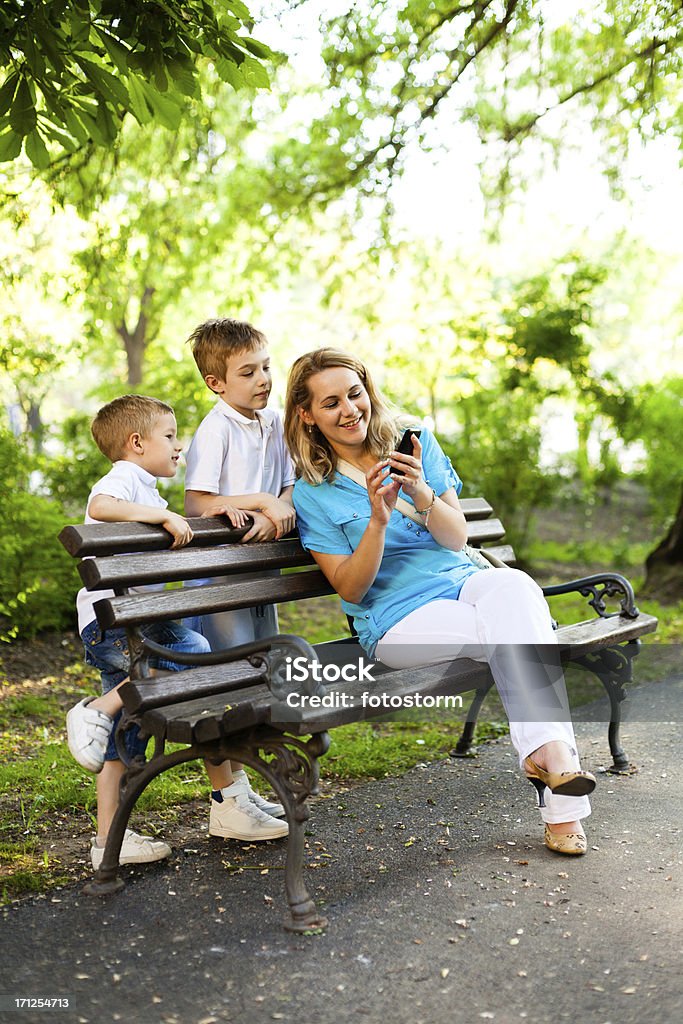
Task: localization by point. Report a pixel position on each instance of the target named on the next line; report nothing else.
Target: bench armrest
(600, 586)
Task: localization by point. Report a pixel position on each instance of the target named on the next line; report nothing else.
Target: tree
(75, 68)
(162, 209)
(401, 76)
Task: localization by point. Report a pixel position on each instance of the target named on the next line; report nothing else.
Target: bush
(498, 455)
(39, 582)
(69, 476)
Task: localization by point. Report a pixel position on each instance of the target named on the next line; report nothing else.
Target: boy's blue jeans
(108, 651)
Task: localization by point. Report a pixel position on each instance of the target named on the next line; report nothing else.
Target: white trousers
(500, 616)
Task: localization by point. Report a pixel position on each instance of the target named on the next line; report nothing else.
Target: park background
(481, 199)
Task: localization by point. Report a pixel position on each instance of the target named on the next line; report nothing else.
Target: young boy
(138, 434)
(238, 458)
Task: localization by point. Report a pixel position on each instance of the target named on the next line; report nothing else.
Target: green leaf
(138, 104)
(75, 126)
(166, 110)
(257, 48)
(240, 9)
(36, 150)
(229, 72)
(254, 73)
(7, 91)
(91, 127)
(34, 57)
(65, 141)
(110, 86)
(23, 115)
(118, 54)
(10, 146)
(183, 75)
(80, 26)
(105, 122)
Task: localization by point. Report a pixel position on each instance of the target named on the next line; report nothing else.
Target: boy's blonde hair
(214, 341)
(313, 456)
(129, 414)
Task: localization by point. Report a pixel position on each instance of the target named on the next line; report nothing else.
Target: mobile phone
(405, 447)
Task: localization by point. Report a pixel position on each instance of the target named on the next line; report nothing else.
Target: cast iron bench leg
(614, 668)
(464, 744)
(292, 771)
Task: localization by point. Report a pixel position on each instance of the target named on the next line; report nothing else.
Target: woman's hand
(412, 483)
(382, 492)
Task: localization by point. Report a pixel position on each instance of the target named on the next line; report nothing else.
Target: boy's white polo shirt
(128, 482)
(231, 454)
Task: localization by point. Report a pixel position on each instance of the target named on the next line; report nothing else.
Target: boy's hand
(281, 514)
(221, 508)
(263, 529)
(179, 528)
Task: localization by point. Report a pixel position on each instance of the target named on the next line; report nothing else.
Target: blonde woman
(414, 596)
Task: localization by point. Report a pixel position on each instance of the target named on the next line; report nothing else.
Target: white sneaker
(236, 817)
(275, 810)
(87, 732)
(135, 849)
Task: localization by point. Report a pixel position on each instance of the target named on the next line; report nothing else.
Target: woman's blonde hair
(313, 456)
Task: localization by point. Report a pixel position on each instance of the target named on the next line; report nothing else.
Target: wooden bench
(234, 704)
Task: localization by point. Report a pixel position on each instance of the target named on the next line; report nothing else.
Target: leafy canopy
(73, 70)
(402, 73)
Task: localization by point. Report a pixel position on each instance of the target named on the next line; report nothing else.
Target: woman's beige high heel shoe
(574, 843)
(574, 783)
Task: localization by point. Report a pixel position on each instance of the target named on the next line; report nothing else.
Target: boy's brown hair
(214, 341)
(129, 414)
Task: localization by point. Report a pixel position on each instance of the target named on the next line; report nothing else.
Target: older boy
(238, 458)
(139, 435)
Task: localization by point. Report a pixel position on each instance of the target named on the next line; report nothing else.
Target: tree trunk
(135, 342)
(664, 565)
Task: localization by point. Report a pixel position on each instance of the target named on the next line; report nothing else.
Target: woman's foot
(565, 837)
(555, 765)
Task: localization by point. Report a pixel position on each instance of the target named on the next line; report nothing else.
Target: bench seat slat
(136, 609)
(193, 720)
(140, 695)
(204, 720)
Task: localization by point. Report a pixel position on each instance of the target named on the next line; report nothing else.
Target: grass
(44, 793)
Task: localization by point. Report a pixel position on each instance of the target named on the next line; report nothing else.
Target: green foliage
(657, 421)
(69, 475)
(38, 582)
(401, 75)
(497, 454)
(74, 70)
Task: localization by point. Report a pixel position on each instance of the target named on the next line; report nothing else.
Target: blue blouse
(332, 518)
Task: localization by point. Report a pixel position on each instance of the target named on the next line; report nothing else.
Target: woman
(405, 579)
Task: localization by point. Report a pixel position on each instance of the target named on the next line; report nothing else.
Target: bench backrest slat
(111, 571)
(135, 609)
(114, 538)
